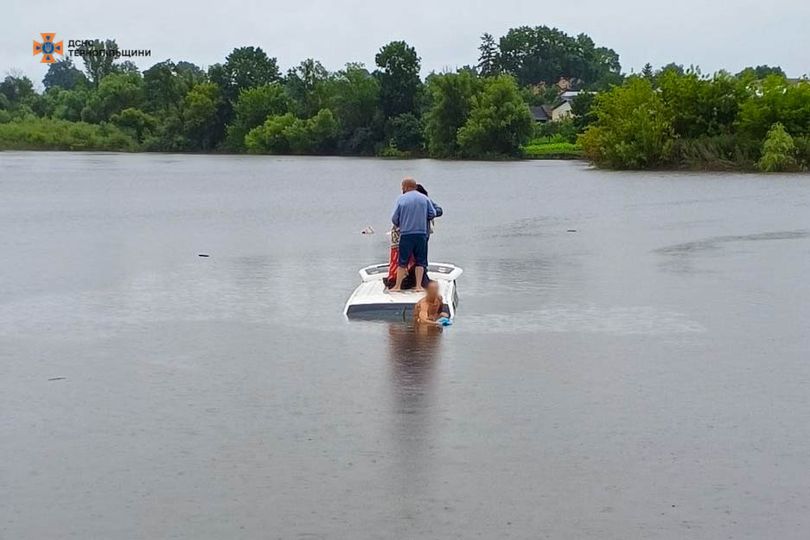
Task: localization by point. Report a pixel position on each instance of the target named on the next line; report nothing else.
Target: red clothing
(393, 262)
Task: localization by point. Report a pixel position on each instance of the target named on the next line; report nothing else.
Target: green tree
(451, 96)
(163, 89)
(116, 92)
(760, 72)
(287, 134)
(126, 66)
(136, 122)
(247, 67)
(398, 74)
(582, 111)
(354, 100)
(190, 73)
(778, 151)
(323, 132)
(499, 121)
(775, 100)
(254, 106)
(633, 128)
(66, 104)
(200, 115)
(17, 89)
(405, 133)
(672, 67)
(488, 57)
(99, 59)
(63, 74)
(544, 54)
(307, 84)
(700, 106)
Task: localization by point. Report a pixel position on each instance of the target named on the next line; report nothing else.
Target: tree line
(245, 103)
(756, 119)
(670, 117)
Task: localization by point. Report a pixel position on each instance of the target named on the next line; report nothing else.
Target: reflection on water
(413, 355)
(232, 398)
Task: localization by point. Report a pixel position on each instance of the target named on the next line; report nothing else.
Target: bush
(633, 129)
(391, 151)
(49, 134)
(719, 153)
(565, 129)
(802, 151)
(778, 151)
(776, 100)
(288, 134)
(499, 122)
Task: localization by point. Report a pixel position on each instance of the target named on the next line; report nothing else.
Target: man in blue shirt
(411, 215)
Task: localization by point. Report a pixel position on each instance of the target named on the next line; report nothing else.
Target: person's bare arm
(423, 316)
(442, 313)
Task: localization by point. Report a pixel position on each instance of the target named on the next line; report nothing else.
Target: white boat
(371, 299)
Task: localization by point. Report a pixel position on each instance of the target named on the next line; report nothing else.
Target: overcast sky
(713, 34)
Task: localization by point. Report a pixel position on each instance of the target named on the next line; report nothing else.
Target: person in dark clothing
(421, 189)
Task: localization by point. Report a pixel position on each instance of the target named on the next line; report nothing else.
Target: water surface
(629, 359)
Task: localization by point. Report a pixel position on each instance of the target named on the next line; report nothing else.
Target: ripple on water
(716, 242)
(614, 320)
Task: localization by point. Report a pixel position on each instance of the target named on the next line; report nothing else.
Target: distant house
(541, 114)
(562, 111)
(547, 113)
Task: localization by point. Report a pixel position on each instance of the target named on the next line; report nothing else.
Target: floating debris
(368, 230)
(571, 230)
(57, 378)
(203, 255)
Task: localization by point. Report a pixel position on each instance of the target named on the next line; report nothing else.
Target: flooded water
(629, 359)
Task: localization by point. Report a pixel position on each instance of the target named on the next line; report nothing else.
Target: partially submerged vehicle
(372, 300)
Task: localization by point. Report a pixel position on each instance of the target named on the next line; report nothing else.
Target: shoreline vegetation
(535, 93)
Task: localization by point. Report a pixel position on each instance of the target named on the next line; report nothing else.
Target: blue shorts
(413, 244)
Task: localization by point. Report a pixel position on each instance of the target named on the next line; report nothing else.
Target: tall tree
(488, 59)
(63, 74)
(200, 115)
(307, 86)
(190, 72)
(451, 96)
(252, 108)
(398, 74)
(633, 128)
(163, 88)
(544, 54)
(499, 121)
(760, 72)
(355, 103)
(17, 89)
(116, 92)
(99, 59)
(248, 67)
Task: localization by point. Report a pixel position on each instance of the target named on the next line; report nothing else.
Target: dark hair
(421, 189)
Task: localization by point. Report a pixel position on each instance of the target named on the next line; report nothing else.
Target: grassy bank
(50, 134)
(553, 147)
